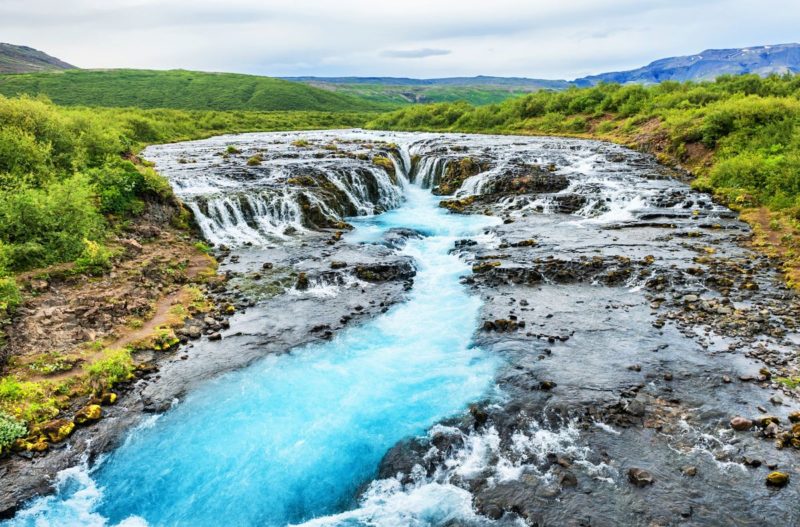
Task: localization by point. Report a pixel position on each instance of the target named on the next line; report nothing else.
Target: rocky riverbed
(646, 355)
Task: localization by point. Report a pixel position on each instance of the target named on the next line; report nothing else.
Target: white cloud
(542, 38)
(414, 53)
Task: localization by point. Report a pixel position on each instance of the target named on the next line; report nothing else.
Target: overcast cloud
(416, 38)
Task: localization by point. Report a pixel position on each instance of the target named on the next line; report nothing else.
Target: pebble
(640, 477)
(740, 424)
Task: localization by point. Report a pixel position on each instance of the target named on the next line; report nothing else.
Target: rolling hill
(403, 90)
(179, 89)
(22, 59)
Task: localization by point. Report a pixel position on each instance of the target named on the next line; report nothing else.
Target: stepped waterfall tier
(447, 329)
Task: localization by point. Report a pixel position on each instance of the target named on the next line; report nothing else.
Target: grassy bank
(179, 89)
(739, 136)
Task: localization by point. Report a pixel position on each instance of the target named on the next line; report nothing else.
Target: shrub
(117, 185)
(10, 297)
(95, 259)
(40, 226)
(116, 366)
(10, 430)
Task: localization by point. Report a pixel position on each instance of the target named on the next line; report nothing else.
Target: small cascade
(289, 192)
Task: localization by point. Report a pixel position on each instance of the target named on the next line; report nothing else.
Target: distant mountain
(708, 65)
(22, 59)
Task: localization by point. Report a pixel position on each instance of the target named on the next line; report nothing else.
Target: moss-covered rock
(482, 267)
(457, 205)
(56, 430)
(777, 479)
(88, 415)
(386, 164)
(456, 172)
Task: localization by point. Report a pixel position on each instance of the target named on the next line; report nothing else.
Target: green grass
(179, 89)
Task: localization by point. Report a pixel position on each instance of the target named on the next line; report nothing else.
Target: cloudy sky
(418, 38)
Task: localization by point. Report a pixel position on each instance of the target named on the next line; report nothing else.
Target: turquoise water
(295, 436)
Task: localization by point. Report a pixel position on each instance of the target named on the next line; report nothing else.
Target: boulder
(88, 415)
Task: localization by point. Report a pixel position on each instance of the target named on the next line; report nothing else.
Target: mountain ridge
(25, 59)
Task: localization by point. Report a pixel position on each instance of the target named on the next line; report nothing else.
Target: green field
(178, 89)
(402, 95)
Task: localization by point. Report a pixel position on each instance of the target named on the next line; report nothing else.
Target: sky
(553, 39)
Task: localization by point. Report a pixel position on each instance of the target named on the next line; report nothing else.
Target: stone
(568, 479)
(132, 245)
(479, 414)
(690, 471)
(338, 265)
(302, 282)
(640, 477)
(57, 430)
(794, 417)
(88, 415)
(777, 479)
(776, 399)
(215, 336)
(741, 424)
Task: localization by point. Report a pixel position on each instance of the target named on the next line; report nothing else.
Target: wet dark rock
(640, 477)
(302, 282)
(522, 178)
(215, 336)
(384, 272)
(479, 415)
(690, 471)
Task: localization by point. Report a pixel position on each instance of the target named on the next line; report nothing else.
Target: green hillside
(401, 95)
(179, 89)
